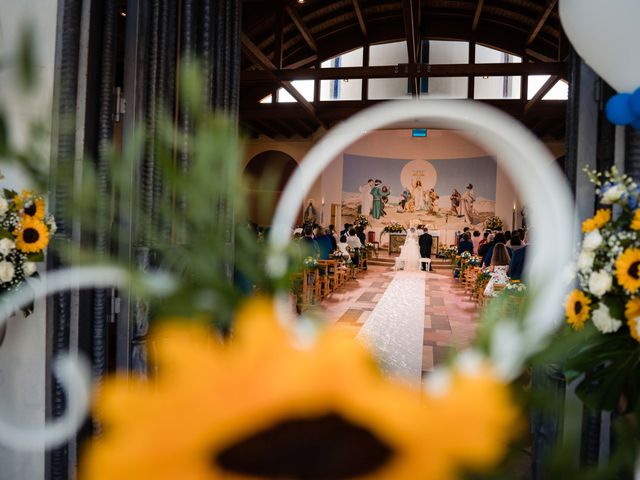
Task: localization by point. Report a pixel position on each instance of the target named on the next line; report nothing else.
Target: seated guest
(483, 247)
(353, 240)
(343, 246)
(499, 268)
(465, 245)
(476, 241)
(516, 243)
(517, 263)
(354, 244)
(308, 244)
(325, 244)
(498, 239)
(345, 231)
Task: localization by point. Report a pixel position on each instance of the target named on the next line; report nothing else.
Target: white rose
(592, 241)
(4, 205)
(6, 246)
(6, 272)
(585, 260)
(29, 268)
(603, 320)
(53, 227)
(600, 283)
(613, 194)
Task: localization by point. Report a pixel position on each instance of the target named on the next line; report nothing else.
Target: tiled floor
(450, 317)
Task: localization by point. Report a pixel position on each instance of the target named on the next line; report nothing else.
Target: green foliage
(196, 227)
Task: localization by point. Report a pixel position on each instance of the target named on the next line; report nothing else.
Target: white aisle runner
(395, 328)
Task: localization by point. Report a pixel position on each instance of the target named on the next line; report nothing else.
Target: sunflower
(627, 269)
(599, 220)
(34, 208)
(32, 235)
(258, 407)
(635, 222)
(577, 309)
(632, 314)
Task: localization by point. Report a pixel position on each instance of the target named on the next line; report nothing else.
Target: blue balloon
(618, 109)
(635, 102)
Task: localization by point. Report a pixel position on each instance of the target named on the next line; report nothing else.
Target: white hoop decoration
(72, 372)
(528, 164)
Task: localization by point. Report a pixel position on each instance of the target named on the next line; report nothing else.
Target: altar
(396, 240)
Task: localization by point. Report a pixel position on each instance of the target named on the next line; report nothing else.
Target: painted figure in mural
(418, 196)
(378, 195)
(455, 202)
(433, 201)
(406, 195)
(385, 198)
(367, 199)
(467, 200)
(310, 214)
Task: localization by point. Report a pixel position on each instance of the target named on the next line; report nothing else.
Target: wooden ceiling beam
(541, 21)
(476, 16)
(331, 111)
(260, 59)
(277, 39)
(410, 30)
(303, 62)
(548, 85)
(360, 17)
(265, 129)
(302, 28)
(405, 70)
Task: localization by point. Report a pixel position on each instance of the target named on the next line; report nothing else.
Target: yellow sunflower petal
(628, 269)
(259, 407)
(632, 314)
(32, 235)
(599, 220)
(635, 221)
(577, 308)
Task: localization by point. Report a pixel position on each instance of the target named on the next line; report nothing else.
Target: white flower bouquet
(25, 232)
(605, 306)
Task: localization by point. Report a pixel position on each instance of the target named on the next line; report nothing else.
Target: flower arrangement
(475, 261)
(448, 252)
(25, 232)
(369, 246)
(481, 281)
(394, 228)
(606, 302)
(361, 221)
(515, 287)
(465, 255)
(310, 262)
(339, 255)
(493, 223)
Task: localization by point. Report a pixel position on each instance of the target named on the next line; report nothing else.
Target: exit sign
(419, 132)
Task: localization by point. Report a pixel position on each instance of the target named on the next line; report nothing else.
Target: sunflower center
(30, 235)
(30, 209)
(577, 307)
(326, 447)
(633, 270)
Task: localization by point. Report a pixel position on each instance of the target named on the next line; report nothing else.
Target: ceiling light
(300, 2)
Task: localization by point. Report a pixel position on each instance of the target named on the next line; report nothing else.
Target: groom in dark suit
(425, 241)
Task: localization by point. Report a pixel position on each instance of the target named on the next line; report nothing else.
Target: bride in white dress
(410, 254)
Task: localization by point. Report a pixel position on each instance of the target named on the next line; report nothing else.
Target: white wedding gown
(410, 254)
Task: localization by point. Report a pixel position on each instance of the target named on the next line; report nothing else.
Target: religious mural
(449, 194)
